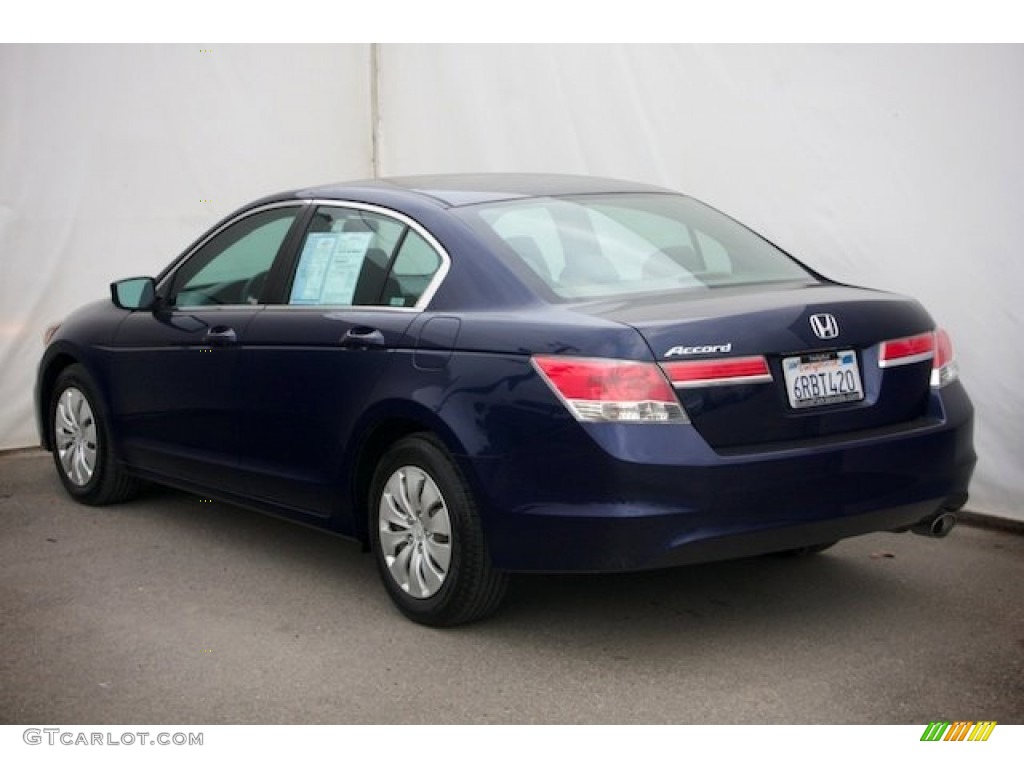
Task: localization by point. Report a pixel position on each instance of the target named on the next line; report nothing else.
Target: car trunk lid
(793, 362)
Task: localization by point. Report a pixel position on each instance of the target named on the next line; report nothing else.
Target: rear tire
(82, 450)
(427, 539)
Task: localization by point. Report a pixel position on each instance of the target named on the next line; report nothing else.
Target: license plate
(822, 378)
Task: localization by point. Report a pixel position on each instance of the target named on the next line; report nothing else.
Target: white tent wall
(895, 167)
(113, 158)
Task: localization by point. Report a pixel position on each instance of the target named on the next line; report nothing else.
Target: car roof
(452, 190)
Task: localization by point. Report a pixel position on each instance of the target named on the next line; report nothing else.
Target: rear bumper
(642, 497)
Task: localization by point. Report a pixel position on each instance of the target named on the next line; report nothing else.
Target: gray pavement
(173, 610)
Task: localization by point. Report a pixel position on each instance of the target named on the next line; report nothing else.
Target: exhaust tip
(937, 527)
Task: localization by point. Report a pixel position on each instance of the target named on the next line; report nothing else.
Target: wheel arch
(390, 424)
(48, 374)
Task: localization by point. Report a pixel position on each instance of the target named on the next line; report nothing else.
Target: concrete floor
(172, 610)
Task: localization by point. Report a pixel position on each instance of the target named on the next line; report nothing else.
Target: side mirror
(134, 293)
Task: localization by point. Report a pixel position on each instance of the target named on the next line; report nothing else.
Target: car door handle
(363, 337)
(220, 334)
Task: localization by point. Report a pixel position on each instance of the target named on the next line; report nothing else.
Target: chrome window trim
(435, 282)
(327, 309)
(421, 304)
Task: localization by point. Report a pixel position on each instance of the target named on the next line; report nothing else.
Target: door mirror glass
(134, 293)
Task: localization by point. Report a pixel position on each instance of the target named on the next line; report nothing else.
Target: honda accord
(479, 375)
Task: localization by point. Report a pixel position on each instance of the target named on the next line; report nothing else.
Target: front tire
(82, 450)
(426, 537)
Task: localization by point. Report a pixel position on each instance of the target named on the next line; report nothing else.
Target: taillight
(912, 349)
(595, 389)
(709, 373)
(934, 345)
(944, 367)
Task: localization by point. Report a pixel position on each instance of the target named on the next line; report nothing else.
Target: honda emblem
(825, 326)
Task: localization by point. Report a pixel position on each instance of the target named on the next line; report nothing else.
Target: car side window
(232, 267)
(352, 257)
(413, 269)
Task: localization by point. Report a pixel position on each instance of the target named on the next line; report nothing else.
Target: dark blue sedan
(476, 375)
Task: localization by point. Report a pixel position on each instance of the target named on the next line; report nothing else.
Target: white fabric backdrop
(113, 158)
(894, 167)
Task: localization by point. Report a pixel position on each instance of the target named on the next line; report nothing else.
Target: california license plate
(822, 378)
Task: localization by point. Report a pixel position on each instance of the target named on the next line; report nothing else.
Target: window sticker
(329, 267)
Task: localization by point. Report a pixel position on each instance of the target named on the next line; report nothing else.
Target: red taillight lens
(944, 367)
(912, 349)
(934, 345)
(707, 373)
(943, 349)
(611, 390)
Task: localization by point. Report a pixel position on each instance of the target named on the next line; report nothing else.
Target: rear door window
(355, 257)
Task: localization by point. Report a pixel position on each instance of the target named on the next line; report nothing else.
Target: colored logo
(961, 730)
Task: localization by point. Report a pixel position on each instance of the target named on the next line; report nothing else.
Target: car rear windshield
(600, 246)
